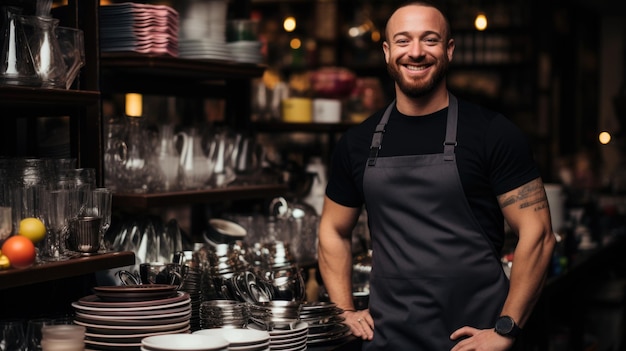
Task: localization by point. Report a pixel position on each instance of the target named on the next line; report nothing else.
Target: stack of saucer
(183, 342)
(124, 315)
(240, 339)
(203, 29)
(294, 339)
(246, 51)
(142, 28)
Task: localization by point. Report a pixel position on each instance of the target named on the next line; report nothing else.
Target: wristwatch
(506, 326)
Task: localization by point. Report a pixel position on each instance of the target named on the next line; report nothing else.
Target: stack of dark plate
(119, 317)
(325, 322)
(142, 28)
(191, 285)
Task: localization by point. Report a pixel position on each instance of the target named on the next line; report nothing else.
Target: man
(437, 196)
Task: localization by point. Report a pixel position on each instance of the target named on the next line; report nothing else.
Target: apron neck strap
(448, 145)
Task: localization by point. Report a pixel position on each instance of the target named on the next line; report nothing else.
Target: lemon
(4, 262)
(32, 228)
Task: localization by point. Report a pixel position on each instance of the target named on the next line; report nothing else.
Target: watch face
(504, 325)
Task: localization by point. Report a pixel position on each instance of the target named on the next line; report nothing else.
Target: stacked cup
(63, 337)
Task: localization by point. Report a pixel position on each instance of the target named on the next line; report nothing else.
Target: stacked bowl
(184, 342)
(294, 339)
(223, 313)
(277, 314)
(240, 339)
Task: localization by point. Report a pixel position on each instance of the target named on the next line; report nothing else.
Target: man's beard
(415, 90)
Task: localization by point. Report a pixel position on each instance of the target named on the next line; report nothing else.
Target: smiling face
(418, 50)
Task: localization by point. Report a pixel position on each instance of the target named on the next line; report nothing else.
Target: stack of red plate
(119, 317)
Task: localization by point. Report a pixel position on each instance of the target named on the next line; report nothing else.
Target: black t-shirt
(493, 157)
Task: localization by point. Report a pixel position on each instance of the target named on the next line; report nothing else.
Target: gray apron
(434, 270)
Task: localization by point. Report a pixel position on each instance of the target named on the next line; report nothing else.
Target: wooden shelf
(126, 72)
(68, 268)
(190, 197)
(302, 127)
(21, 101)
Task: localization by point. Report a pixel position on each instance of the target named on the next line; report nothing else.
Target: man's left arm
(527, 212)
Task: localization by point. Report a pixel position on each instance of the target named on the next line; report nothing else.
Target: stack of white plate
(142, 28)
(294, 339)
(118, 318)
(240, 339)
(247, 51)
(184, 342)
(203, 29)
(204, 49)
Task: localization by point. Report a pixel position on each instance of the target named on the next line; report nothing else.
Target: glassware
(71, 44)
(33, 333)
(47, 56)
(220, 156)
(16, 61)
(100, 206)
(134, 171)
(6, 204)
(61, 207)
(12, 335)
(194, 164)
(84, 180)
(168, 157)
(115, 152)
(63, 338)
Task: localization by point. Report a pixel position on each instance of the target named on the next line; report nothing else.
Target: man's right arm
(335, 263)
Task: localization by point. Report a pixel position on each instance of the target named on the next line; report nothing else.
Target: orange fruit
(20, 251)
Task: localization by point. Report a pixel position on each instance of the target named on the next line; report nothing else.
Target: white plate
(184, 342)
(257, 347)
(301, 328)
(291, 342)
(238, 337)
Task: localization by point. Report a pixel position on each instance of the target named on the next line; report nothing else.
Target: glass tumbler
(71, 44)
(12, 335)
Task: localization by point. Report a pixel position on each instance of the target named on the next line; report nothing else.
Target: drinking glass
(61, 207)
(85, 181)
(33, 333)
(100, 206)
(11, 335)
(72, 47)
(6, 202)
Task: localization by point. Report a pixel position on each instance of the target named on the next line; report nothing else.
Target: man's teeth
(415, 68)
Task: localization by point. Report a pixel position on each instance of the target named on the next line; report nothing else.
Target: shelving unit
(52, 271)
(192, 197)
(61, 281)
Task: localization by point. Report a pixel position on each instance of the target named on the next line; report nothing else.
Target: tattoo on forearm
(531, 194)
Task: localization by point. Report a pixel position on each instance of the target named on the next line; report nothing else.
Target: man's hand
(361, 323)
(480, 340)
